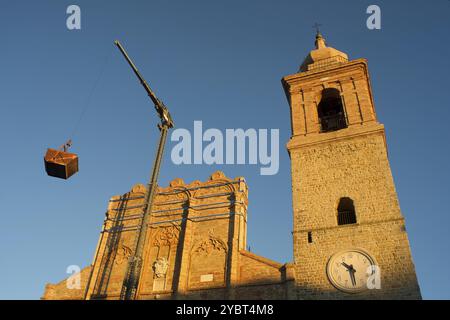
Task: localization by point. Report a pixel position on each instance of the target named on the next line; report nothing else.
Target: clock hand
(352, 272)
(353, 279)
(346, 265)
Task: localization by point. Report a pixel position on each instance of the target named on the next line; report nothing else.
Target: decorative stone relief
(210, 245)
(166, 236)
(160, 267)
(123, 254)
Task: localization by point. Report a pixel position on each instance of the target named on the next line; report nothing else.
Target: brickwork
(195, 247)
(60, 290)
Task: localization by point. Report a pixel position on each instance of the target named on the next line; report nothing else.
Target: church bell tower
(350, 240)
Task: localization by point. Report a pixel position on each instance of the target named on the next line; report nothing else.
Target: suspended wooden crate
(60, 164)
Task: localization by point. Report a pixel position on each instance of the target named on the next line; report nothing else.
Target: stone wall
(195, 247)
(61, 291)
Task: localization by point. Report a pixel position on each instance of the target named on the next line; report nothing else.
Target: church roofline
(264, 260)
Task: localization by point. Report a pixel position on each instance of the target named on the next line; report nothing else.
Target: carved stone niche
(166, 236)
(208, 262)
(160, 267)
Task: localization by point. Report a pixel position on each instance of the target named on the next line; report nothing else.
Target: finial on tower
(321, 52)
(320, 41)
(316, 26)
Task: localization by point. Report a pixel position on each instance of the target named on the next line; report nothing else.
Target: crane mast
(131, 280)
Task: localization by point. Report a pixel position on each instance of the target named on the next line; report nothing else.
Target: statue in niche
(160, 267)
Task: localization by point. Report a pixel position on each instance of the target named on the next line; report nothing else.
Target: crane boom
(159, 105)
(131, 281)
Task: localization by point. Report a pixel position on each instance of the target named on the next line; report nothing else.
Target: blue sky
(216, 61)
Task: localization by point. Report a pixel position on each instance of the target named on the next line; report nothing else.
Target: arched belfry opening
(331, 111)
(346, 211)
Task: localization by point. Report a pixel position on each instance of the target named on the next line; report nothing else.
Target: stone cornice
(304, 141)
(313, 74)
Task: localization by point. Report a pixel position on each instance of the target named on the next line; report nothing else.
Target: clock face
(347, 270)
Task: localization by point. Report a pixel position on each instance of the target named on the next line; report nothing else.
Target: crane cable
(88, 100)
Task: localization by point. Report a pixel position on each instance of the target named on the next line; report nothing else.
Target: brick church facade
(348, 230)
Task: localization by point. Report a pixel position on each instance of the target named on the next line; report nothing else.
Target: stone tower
(348, 231)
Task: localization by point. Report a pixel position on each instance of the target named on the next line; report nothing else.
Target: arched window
(346, 211)
(330, 110)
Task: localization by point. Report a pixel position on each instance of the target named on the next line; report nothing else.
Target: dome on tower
(322, 56)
